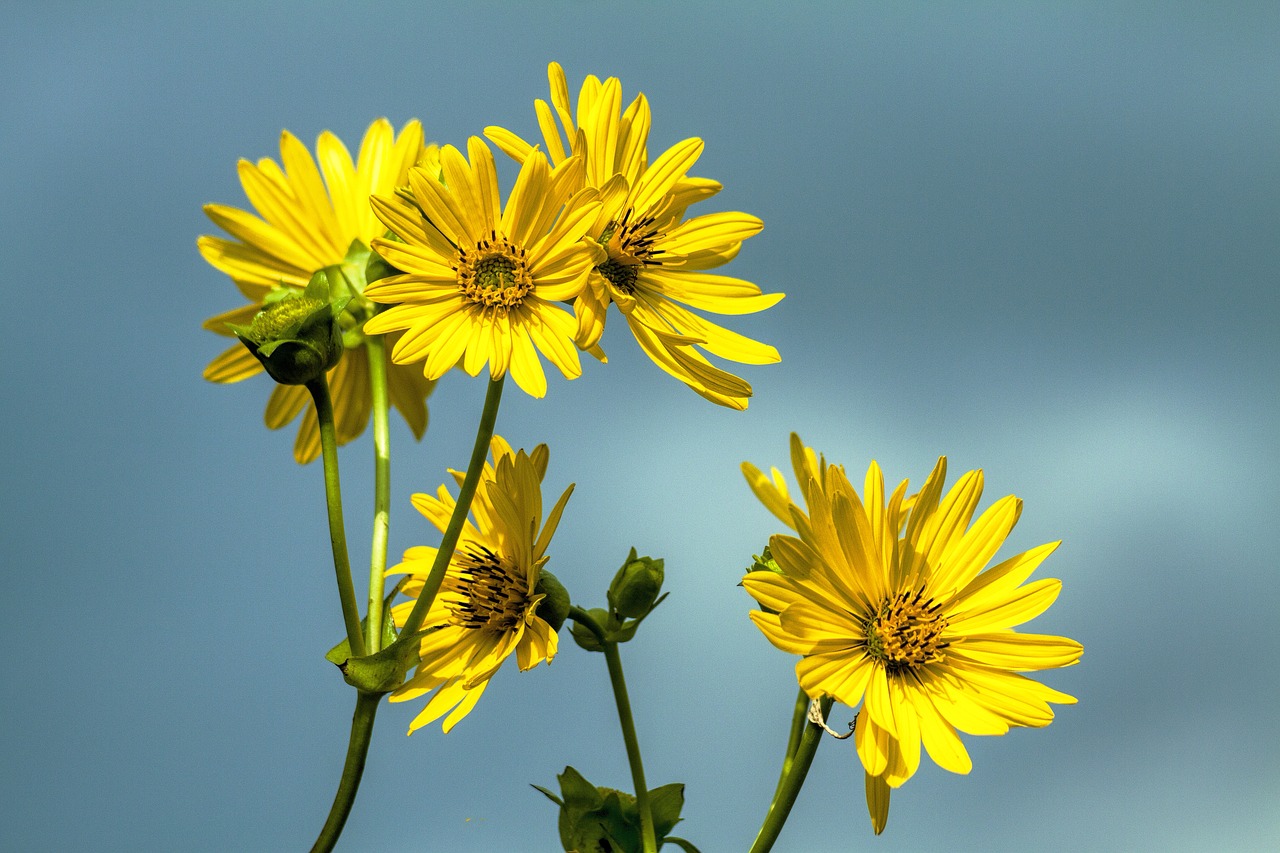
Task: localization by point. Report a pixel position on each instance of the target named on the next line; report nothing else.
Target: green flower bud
(297, 339)
(554, 607)
(582, 634)
(636, 586)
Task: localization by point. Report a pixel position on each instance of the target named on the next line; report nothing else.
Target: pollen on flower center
(630, 246)
(485, 593)
(494, 274)
(906, 633)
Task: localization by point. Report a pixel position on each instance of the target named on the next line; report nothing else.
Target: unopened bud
(636, 586)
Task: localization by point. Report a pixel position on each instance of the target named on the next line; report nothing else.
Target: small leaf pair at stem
(592, 817)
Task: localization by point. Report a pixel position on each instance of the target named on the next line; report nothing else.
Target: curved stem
(377, 351)
(352, 770)
(793, 742)
(785, 798)
(632, 743)
(484, 433)
(582, 617)
(319, 389)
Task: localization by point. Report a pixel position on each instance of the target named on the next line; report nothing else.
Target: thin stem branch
(785, 798)
(793, 741)
(352, 770)
(376, 349)
(619, 683)
(484, 433)
(319, 389)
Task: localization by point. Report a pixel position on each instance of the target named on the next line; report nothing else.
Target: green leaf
(577, 791)
(684, 845)
(665, 804)
(380, 672)
(550, 796)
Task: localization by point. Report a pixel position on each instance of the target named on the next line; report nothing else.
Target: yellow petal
(773, 631)
(251, 265)
(872, 742)
(662, 175)
(877, 802)
(526, 369)
(999, 581)
(939, 738)
(966, 557)
(1017, 651)
(285, 403)
(711, 232)
(233, 365)
(1022, 605)
(771, 492)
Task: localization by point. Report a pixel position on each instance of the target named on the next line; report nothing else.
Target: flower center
(630, 244)
(620, 274)
(906, 633)
(485, 593)
(494, 273)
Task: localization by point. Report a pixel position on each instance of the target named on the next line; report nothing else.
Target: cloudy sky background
(1040, 239)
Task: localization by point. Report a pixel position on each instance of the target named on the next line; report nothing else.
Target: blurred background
(1038, 238)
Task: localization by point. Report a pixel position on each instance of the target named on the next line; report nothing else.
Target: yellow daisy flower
(655, 259)
(479, 281)
(891, 608)
(487, 607)
(308, 219)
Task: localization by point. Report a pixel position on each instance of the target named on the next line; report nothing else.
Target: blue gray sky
(1038, 238)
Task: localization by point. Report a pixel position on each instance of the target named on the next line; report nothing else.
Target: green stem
(376, 348)
(357, 751)
(319, 389)
(619, 684)
(484, 433)
(793, 742)
(785, 798)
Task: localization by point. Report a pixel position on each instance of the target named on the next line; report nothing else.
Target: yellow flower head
(487, 607)
(655, 259)
(480, 281)
(894, 608)
(308, 217)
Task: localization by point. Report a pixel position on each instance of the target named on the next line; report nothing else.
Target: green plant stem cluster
(375, 660)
